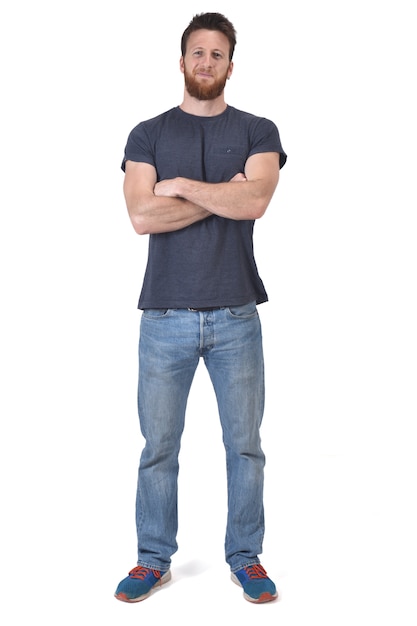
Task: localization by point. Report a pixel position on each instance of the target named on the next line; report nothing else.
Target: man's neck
(203, 108)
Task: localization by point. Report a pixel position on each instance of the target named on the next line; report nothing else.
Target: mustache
(202, 70)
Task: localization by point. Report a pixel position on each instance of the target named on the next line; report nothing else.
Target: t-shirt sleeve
(267, 139)
(138, 147)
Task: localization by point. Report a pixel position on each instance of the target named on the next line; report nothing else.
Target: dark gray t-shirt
(210, 263)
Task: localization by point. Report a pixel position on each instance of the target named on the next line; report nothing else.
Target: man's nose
(207, 60)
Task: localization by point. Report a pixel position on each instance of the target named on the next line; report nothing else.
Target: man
(196, 179)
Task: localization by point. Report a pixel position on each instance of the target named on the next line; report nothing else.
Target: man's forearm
(231, 200)
(162, 215)
(245, 197)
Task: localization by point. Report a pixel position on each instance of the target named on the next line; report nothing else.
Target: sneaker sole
(164, 579)
(264, 597)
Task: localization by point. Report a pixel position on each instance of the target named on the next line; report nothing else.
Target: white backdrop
(336, 250)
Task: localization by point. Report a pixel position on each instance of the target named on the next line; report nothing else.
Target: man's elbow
(260, 201)
(259, 208)
(140, 225)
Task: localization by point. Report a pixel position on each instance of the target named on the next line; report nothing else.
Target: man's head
(210, 21)
(207, 47)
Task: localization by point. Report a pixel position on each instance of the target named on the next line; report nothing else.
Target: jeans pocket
(154, 313)
(244, 310)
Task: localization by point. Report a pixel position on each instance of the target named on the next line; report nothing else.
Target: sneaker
(257, 587)
(140, 583)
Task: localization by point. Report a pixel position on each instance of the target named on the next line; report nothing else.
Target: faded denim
(172, 341)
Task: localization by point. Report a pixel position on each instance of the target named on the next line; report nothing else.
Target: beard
(201, 90)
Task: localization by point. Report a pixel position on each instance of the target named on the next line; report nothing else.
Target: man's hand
(167, 188)
(238, 178)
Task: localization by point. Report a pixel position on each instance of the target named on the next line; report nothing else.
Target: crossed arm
(178, 202)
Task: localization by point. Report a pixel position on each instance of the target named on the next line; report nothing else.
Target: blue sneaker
(257, 587)
(140, 583)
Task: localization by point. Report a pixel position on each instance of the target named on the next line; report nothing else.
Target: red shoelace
(141, 572)
(256, 571)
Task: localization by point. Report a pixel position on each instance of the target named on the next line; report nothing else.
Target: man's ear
(230, 70)
(182, 64)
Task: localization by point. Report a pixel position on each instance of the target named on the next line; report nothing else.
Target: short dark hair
(210, 21)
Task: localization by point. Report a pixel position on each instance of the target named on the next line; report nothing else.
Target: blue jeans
(170, 346)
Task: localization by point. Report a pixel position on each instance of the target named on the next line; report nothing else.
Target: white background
(336, 250)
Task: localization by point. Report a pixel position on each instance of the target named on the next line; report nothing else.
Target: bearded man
(197, 177)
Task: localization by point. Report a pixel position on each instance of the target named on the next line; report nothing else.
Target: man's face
(206, 65)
